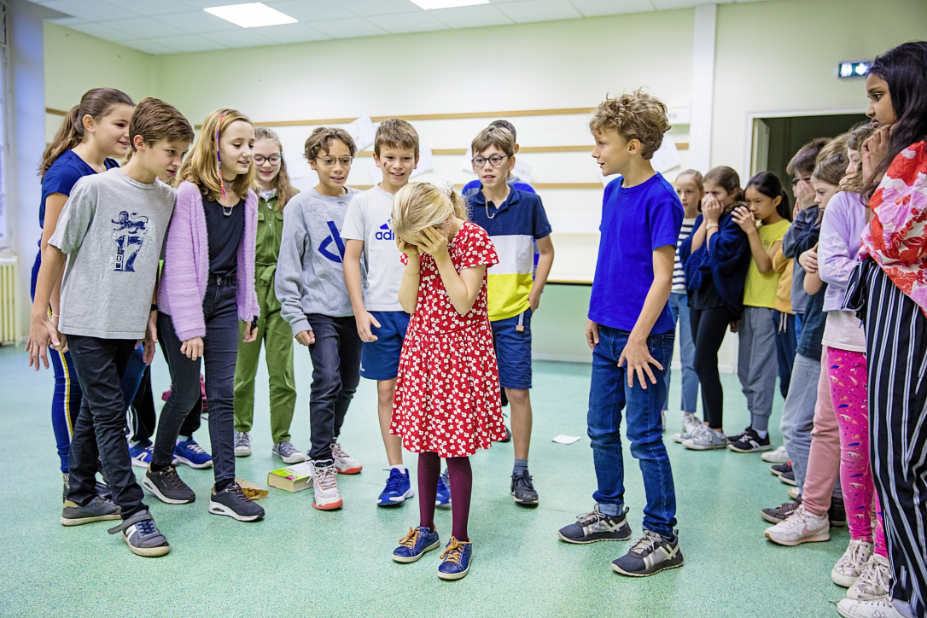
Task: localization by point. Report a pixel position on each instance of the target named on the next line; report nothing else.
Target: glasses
(495, 160)
(330, 161)
(272, 159)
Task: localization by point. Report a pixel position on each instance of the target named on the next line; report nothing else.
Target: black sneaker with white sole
(596, 526)
(780, 469)
(788, 478)
(523, 489)
(142, 535)
(649, 555)
(750, 442)
(167, 486)
(232, 502)
(97, 509)
(781, 512)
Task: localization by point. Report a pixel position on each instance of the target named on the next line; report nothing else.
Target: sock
(429, 469)
(761, 434)
(183, 439)
(760, 424)
(521, 465)
(399, 467)
(221, 485)
(720, 433)
(609, 509)
(461, 477)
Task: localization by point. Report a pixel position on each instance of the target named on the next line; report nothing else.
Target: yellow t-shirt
(760, 288)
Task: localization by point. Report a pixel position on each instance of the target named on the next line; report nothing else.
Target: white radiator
(8, 315)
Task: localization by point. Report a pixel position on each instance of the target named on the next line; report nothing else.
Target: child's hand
(192, 348)
(306, 338)
(42, 333)
(250, 333)
(809, 259)
(638, 360)
(151, 338)
(364, 321)
(874, 151)
(733, 326)
(433, 242)
(745, 219)
(592, 334)
(711, 209)
(408, 248)
(534, 298)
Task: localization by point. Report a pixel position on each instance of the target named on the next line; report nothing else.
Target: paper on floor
(564, 439)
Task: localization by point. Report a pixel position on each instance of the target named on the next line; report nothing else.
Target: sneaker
(780, 513)
(142, 535)
(508, 436)
(788, 478)
(778, 456)
(101, 489)
(167, 486)
(344, 463)
(523, 489)
(243, 444)
(780, 469)
(876, 608)
(416, 544)
(837, 513)
(233, 503)
(851, 563)
(649, 555)
(97, 510)
(794, 493)
(398, 489)
(750, 442)
(455, 560)
(873, 581)
(689, 423)
(800, 527)
(141, 453)
(287, 452)
(443, 498)
(738, 436)
(326, 496)
(596, 526)
(705, 439)
(192, 454)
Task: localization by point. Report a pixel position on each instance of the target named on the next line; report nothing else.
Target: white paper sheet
(522, 170)
(426, 160)
(564, 439)
(362, 132)
(667, 156)
(466, 164)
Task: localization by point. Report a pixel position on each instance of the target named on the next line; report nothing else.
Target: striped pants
(896, 333)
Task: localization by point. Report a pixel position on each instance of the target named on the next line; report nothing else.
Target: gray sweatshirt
(310, 273)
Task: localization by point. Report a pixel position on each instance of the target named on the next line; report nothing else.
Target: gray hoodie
(310, 273)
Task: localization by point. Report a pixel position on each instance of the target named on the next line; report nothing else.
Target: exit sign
(853, 69)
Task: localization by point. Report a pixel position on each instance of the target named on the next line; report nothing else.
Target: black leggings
(708, 329)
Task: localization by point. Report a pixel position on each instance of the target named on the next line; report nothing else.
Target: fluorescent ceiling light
(252, 15)
(447, 4)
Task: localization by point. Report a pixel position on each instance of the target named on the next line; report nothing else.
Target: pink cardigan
(186, 264)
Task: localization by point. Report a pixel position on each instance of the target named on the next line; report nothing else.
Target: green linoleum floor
(303, 562)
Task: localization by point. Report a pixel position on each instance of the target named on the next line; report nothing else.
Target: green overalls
(273, 330)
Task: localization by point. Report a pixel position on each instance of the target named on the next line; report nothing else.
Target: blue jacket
(726, 263)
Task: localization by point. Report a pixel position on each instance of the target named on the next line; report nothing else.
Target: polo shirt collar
(480, 199)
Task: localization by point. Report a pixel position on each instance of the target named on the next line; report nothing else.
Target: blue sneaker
(443, 499)
(416, 544)
(141, 453)
(456, 560)
(398, 488)
(192, 454)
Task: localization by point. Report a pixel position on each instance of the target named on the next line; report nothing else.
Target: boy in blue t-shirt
(631, 332)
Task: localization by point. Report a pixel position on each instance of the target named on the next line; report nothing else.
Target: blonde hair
(202, 164)
(396, 133)
(697, 179)
(830, 166)
(493, 135)
(420, 205)
(637, 115)
(285, 190)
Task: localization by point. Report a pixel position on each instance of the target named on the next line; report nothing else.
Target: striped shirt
(679, 275)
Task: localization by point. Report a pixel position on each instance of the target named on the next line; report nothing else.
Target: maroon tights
(461, 477)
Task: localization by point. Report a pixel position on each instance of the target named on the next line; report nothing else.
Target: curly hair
(637, 115)
(321, 140)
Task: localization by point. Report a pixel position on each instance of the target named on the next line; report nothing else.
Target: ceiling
(172, 26)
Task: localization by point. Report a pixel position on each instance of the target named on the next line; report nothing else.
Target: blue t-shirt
(636, 221)
(63, 175)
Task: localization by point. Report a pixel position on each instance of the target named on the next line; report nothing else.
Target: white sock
(182, 439)
(761, 434)
(399, 467)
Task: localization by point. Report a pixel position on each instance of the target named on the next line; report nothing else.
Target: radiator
(8, 315)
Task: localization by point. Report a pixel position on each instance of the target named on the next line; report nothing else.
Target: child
(631, 333)
(207, 286)
(473, 187)
(716, 258)
(514, 220)
(784, 319)
(691, 190)
(447, 393)
(314, 300)
(274, 189)
(888, 291)
(112, 263)
(767, 204)
(92, 135)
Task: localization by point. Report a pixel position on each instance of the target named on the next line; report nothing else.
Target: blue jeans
(679, 305)
(786, 344)
(609, 394)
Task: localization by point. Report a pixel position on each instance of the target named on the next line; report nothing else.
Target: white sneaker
(690, 422)
(778, 456)
(877, 608)
(874, 580)
(793, 493)
(288, 453)
(851, 563)
(326, 495)
(800, 527)
(344, 463)
(705, 439)
(242, 444)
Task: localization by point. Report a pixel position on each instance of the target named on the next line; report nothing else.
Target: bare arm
(545, 262)
(813, 283)
(463, 287)
(54, 204)
(42, 331)
(352, 279)
(411, 277)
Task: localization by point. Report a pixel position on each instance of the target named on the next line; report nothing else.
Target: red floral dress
(447, 393)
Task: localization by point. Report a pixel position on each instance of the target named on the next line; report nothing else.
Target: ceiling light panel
(447, 4)
(251, 15)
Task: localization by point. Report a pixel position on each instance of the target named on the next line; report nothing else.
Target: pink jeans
(824, 457)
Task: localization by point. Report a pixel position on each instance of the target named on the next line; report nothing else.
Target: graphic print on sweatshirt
(386, 231)
(325, 247)
(129, 233)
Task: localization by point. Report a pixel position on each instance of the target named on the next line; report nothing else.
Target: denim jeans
(679, 305)
(220, 351)
(609, 394)
(99, 431)
(336, 356)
